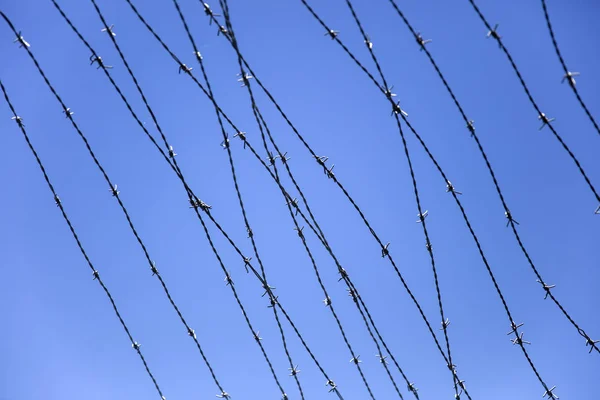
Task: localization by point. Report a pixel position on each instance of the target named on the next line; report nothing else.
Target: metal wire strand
(469, 126)
(263, 127)
(155, 271)
(59, 204)
(194, 198)
(176, 168)
(533, 102)
(515, 328)
(566, 70)
(237, 189)
(429, 247)
(348, 196)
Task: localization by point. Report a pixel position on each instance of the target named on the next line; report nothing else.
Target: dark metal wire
(565, 69)
(206, 209)
(59, 204)
(472, 130)
(518, 339)
(532, 101)
(177, 169)
(347, 194)
(264, 127)
(151, 263)
(422, 218)
(237, 189)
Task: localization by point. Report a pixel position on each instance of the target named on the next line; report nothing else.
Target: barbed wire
(242, 136)
(115, 192)
(59, 203)
(569, 75)
(518, 338)
(282, 156)
(199, 58)
(262, 125)
(492, 32)
(176, 167)
(321, 161)
(200, 205)
(471, 128)
(422, 214)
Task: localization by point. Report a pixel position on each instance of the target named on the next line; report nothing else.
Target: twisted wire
(565, 69)
(472, 130)
(153, 268)
(515, 328)
(534, 104)
(237, 189)
(349, 197)
(429, 246)
(59, 204)
(194, 198)
(262, 127)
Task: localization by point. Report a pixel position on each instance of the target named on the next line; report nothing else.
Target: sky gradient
(61, 339)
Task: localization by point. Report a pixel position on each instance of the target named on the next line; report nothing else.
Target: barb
(96, 275)
(471, 128)
(533, 102)
(569, 76)
(239, 195)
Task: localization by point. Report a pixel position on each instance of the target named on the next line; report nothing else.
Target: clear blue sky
(60, 338)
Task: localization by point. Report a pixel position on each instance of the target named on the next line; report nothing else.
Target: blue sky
(61, 338)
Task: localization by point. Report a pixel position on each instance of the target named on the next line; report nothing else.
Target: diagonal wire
(352, 291)
(532, 101)
(471, 128)
(206, 209)
(190, 332)
(344, 275)
(566, 70)
(421, 214)
(59, 204)
(115, 193)
(518, 339)
(348, 196)
(261, 123)
(238, 193)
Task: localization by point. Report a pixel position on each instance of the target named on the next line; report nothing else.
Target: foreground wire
(136, 346)
(293, 367)
(518, 338)
(201, 206)
(155, 272)
(493, 33)
(422, 215)
(471, 128)
(190, 332)
(261, 123)
(321, 161)
(569, 75)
